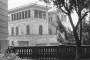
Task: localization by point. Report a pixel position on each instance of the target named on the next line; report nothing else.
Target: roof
(31, 5)
(55, 12)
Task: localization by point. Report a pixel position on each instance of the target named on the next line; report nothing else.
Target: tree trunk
(78, 50)
(81, 31)
(78, 46)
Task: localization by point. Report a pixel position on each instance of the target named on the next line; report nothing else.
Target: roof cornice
(31, 5)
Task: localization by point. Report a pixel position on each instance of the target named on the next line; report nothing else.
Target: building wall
(33, 23)
(34, 38)
(49, 25)
(53, 22)
(3, 25)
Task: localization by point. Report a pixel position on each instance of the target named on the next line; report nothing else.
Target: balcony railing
(50, 52)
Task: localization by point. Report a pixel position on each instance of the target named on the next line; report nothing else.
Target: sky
(16, 3)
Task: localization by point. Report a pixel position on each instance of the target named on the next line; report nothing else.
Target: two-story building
(29, 26)
(32, 25)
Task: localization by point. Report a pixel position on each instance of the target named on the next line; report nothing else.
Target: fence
(50, 52)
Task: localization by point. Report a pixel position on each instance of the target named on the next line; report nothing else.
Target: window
(12, 31)
(8, 18)
(17, 32)
(36, 13)
(12, 42)
(25, 14)
(44, 14)
(28, 30)
(64, 17)
(16, 16)
(40, 30)
(19, 15)
(40, 14)
(23, 43)
(28, 13)
(50, 32)
(49, 19)
(12, 17)
(56, 30)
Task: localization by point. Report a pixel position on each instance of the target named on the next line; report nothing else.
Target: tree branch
(85, 14)
(63, 11)
(56, 27)
(76, 9)
(81, 19)
(66, 7)
(71, 21)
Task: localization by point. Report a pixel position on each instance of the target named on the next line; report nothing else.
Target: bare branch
(63, 11)
(81, 19)
(65, 7)
(76, 10)
(71, 21)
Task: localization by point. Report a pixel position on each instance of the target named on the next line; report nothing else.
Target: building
(52, 17)
(30, 25)
(3, 25)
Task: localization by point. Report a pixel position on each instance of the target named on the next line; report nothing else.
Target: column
(32, 13)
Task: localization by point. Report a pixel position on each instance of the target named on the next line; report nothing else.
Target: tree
(68, 36)
(81, 7)
(86, 32)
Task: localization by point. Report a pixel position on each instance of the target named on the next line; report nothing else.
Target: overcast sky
(16, 3)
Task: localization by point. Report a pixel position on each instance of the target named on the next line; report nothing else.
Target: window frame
(12, 31)
(29, 13)
(17, 31)
(36, 13)
(26, 14)
(22, 14)
(40, 30)
(28, 30)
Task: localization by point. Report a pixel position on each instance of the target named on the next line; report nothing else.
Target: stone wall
(35, 40)
(33, 23)
(3, 25)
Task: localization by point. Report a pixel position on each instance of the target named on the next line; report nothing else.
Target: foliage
(86, 32)
(69, 38)
(68, 7)
(8, 55)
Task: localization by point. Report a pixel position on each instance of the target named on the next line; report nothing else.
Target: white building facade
(31, 25)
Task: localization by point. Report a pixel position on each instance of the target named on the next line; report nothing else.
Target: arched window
(28, 30)
(40, 29)
(13, 43)
(12, 31)
(50, 32)
(17, 32)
